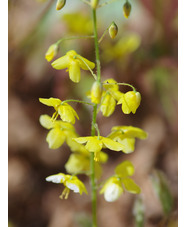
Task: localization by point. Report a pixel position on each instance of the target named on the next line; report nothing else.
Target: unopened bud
(60, 4)
(94, 3)
(113, 30)
(96, 92)
(126, 9)
(51, 52)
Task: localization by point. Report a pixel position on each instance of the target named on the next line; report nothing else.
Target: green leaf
(161, 187)
(138, 212)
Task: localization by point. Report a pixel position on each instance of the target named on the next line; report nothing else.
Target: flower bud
(126, 9)
(51, 52)
(60, 4)
(94, 3)
(96, 92)
(113, 30)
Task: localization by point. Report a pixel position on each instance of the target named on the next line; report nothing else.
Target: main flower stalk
(93, 130)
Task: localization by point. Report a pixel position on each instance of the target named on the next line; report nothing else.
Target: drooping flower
(73, 62)
(108, 101)
(66, 112)
(121, 181)
(59, 131)
(51, 52)
(70, 183)
(130, 102)
(112, 189)
(126, 135)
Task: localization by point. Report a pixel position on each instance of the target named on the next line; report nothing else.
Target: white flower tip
(113, 192)
(73, 187)
(55, 178)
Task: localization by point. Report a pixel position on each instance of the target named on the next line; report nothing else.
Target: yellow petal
(131, 132)
(108, 104)
(82, 140)
(83, 62)
(51, 52)
(67, 113)
(74, 71)
(125, 107)
(103, 157)
(131, 186)
(50, 102)
(124, 169)
(77, 163)
(128, 143)
(46, 121)
(61, 63)
(93, 145)
(112, 145)
(55, 138)
(111, 84)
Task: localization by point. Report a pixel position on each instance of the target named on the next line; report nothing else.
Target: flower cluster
(87, 151)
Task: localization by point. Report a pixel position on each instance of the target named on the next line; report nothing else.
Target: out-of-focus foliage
(162, 190)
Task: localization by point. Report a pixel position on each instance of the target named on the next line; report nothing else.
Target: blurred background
(144, 54)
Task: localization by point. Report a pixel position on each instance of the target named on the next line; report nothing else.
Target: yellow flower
(126, 135)
(66, 112)
(70, 183)
(96, 143)
(59, 131)
(73, 62)
(108, 102)
(130, 102)
(51, 52)
(117, 184)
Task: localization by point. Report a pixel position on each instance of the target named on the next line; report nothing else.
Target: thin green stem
(103, 35)
(79, 101)
(107, 3)
(121, 84)
(92, 167)
(93, 129)
(75, 37)
(86, 2)
(96, 46)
